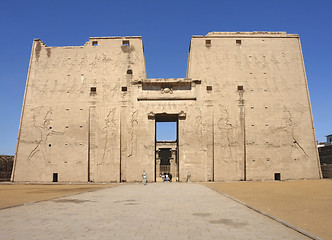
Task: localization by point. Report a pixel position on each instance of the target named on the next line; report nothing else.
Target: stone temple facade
(243, 112)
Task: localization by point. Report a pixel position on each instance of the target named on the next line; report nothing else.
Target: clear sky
(166, 28)
(166, 131)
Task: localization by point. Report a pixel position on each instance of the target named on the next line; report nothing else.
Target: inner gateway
(166, 146)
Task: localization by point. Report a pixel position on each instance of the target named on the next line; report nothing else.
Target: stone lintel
(181, 115)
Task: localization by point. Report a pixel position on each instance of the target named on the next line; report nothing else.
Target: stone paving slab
(134, 211)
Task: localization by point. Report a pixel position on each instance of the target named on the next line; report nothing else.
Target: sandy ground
(306, 204)
(16, 194)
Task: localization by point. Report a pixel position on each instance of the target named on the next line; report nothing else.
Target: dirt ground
(16, 194)
(306, 204)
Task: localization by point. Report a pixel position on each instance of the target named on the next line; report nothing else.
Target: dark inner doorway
(164, 155)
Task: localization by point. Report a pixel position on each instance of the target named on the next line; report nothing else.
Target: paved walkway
(134, 211)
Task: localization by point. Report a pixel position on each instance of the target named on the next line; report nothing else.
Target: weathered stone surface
(243, 111)
(6, 166)
(325, 155)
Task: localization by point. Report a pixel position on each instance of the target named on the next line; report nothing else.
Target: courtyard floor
(165, 210)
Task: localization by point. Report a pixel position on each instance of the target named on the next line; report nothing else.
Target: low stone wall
(6, 167)
(325, 155)
(327, 170)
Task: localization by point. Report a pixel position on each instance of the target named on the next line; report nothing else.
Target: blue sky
(166, 131)
(166, 28)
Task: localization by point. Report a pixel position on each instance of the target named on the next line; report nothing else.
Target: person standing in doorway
(166, 177)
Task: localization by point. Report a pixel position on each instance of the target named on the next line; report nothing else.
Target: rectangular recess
(55, 177)
(93, 90)
(125, 43)
(277, 177)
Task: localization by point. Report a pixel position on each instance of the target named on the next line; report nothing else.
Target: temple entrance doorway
(166, 147)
